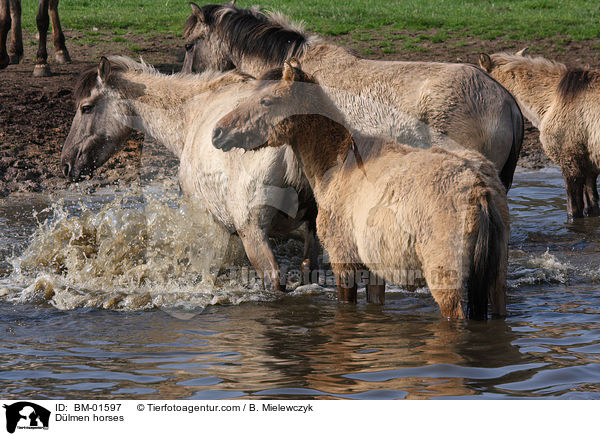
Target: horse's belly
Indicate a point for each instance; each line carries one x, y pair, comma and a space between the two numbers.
385, 242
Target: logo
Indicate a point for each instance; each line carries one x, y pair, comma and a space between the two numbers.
26, 415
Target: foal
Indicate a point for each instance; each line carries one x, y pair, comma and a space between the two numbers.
389, 210
10, 16
563, 103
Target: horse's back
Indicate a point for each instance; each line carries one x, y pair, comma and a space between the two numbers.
430, 103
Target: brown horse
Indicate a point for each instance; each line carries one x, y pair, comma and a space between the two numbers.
10, 17
563, 103
417, 103
385, 209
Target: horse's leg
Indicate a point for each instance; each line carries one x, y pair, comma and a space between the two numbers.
574, 187
16, 43
41, 68
4, 27
590, 197
259, 252
61, 54
311, 253
375, 290
345, 281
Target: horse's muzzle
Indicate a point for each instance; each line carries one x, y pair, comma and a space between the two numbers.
222, 141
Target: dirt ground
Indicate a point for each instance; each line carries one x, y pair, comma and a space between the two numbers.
36, 113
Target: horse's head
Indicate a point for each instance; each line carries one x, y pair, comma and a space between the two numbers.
204, 48
490, 62
270, 114
100, 125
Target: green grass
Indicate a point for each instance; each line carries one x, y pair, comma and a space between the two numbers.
517, 19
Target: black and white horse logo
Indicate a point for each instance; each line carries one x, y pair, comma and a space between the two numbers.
26, 415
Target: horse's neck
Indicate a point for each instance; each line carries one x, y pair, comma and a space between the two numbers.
534, 88
320, 144
161, 110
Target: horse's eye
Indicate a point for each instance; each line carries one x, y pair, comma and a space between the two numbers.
86, 108
189, 47
266, 102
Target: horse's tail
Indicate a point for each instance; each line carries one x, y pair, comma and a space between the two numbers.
488, 255
518, 129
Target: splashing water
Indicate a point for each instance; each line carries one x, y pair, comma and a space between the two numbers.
135, 253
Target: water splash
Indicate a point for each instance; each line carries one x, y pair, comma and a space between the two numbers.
137, 252
546, 268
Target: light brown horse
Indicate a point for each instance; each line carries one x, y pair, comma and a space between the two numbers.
417, 103
384, 208
563, 103
10, 17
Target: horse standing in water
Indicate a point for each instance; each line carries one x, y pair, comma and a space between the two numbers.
10, 17
256, 195
417, 103
384, 208
563, 103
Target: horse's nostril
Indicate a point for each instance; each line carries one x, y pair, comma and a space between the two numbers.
217, 134
66, 168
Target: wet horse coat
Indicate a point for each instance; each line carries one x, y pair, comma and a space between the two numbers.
384, 208
255, 195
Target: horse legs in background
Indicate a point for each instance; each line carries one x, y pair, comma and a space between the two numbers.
16, 44
4, 26
590, 196
311, 253
41, 68
61, 54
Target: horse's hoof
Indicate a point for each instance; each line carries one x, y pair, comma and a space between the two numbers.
15, 59
62, 57
41, 70
592, 211
4, 61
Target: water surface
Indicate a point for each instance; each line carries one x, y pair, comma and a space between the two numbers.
105, 296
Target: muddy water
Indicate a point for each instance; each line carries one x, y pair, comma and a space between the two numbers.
116, 295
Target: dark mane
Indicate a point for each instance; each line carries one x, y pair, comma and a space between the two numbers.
88, 79
574, 81
85, 83
249, 32
209, 12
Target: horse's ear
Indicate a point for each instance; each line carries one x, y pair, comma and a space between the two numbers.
294, 63
522, 52
104, 69
232, 2
288, 74
197, 11
485, 62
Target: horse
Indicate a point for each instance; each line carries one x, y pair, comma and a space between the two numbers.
563, 103
255, 196
384, 208
419, 103
10, 16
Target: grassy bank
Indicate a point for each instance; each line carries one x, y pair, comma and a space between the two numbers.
434, 20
